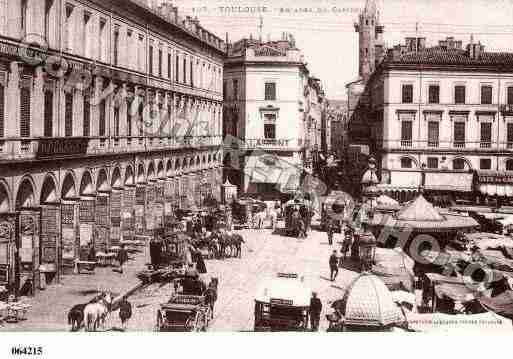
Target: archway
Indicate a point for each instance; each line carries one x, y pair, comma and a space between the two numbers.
198, 161
102, 183
191, 162
5, 201
68, 187
177, 164
169, 167
86, 184
115, 181
160, 170
25, 196
204, 159
209, 158
151, 171
129, 176
48, 190
141, 178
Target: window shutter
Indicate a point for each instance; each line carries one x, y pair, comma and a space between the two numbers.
406, 130
25, 96
459, 131
68, 114
128, 119
101, 127
87, 117
2, 103
48, 113
116, 121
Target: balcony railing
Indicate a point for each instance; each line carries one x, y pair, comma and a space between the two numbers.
433, 144
485, 145
406, 143
459, 144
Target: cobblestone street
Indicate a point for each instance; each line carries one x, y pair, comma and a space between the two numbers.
264, 255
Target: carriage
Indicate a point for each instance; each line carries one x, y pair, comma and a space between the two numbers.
303, 208
244, 209
335, 207
189, 313
282, 304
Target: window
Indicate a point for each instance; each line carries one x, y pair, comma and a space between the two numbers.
235, 89
140, 110
459, 134
406, 133
48, 113
48, 8
25, 111
407, 93
191, 73
140, 54
270, 91
101, 42
224, 90
160, 62
406, 162
116, 46
432, 162
510, 95
150, 59
458, 164
177, 68
169, 65
433, 133
486, 95
87, 117
509, 134
485, 163
434, 94
2, 107
85, 32
486, 134
116, 121
23, 17
184, 78
269, 130
459, 94
128, 119
68, 114
509, 165
101, 125
68, 27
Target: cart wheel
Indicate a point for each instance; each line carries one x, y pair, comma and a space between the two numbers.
158, 325
190, 323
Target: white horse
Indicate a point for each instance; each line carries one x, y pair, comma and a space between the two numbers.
96, 313
258, 219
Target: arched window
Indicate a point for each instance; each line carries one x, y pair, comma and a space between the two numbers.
509, 165
458, 164
406, 162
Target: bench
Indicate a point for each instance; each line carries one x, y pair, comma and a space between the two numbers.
84, 265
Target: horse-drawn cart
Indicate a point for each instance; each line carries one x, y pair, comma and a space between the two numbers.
189, 313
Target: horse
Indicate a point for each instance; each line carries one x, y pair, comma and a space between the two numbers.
272, 215
237, 240
211, 295
76, 314
258, 219
96, 313
125, 312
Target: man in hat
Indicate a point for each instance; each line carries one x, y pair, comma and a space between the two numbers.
315, 312
333, 262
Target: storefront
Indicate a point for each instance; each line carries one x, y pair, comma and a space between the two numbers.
140, 202
102, 223
127, 213
70, 236
494, 186
115, 216
87, 218
8, 249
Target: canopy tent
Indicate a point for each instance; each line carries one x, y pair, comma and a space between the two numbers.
367, 302
420, 216
285, 289
501, 304
438, 322
395, 268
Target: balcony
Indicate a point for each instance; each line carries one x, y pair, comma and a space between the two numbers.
433, 144
406, 143
485, 144
458, 144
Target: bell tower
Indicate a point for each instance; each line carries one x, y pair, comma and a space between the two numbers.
370, 39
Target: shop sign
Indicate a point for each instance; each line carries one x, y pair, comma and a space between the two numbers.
503, 178
51, 147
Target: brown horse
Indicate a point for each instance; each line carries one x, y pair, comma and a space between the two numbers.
211, 295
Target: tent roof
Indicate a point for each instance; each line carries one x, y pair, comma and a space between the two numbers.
419, 210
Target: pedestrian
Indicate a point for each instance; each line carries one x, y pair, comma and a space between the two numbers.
315, 312
302, 228
125, 312
330, 230
122, 257
333, 262
200, 263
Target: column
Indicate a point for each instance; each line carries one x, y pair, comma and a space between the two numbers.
123, 106
70, 236
12, 104
87, 216
8, 247
28, 248
127, 213
102, 223
50, 241
116, 197
37, 102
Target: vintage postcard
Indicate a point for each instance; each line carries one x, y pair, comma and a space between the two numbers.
255, 166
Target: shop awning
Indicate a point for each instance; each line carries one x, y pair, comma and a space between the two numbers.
496, 189
495, 183
449, 181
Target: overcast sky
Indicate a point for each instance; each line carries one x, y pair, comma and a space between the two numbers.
327, 36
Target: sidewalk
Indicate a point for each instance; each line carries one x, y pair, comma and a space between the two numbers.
50, 307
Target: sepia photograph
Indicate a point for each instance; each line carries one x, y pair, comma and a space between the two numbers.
249, 166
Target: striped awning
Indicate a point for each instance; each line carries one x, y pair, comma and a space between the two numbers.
496, 189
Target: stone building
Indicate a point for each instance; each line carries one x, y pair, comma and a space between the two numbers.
442, 118
270, 115
110, 121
